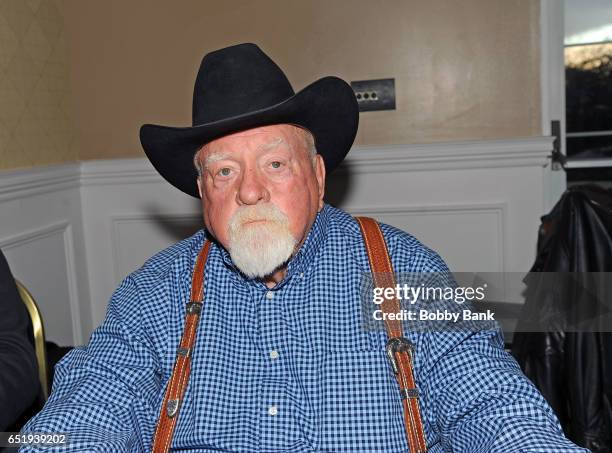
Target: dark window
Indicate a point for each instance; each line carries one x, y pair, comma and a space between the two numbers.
588, 79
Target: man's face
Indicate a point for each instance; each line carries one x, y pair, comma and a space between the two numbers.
266, 172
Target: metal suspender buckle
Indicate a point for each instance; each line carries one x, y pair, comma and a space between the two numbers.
398, 344
183, 351
194, 308
172, 408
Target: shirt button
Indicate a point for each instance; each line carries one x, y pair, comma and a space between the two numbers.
274, 354
272, 410
269, 295
301, 274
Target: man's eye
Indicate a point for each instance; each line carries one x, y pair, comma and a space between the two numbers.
225, 171
276, 164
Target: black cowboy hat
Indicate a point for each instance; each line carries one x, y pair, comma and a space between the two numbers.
240, 88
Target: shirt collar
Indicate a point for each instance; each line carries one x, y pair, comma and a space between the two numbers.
315, 238
302, 259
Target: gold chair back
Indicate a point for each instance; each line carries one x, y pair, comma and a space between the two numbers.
39, 336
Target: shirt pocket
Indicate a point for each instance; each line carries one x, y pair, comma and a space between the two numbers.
360, 405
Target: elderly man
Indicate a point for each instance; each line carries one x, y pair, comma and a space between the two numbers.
275, 358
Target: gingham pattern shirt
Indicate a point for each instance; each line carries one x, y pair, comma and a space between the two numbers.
289, 369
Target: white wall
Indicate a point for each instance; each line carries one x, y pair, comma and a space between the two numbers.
72, 233
42, 238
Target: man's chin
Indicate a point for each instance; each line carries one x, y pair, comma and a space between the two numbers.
259, 252
264, 274
257, 266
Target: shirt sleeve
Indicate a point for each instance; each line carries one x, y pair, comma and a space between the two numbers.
105, 395
19, 384
479, 398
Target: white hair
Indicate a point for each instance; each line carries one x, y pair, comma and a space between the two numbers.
309, 142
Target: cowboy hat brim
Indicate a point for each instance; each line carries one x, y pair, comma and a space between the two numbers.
327, 108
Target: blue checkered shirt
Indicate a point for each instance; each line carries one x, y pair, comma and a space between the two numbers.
289, 369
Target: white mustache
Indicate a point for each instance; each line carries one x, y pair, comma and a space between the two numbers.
260, 212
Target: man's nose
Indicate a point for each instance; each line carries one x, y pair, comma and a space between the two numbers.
252, 189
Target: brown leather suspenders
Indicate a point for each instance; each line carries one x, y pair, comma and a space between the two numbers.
182, 365
399, 349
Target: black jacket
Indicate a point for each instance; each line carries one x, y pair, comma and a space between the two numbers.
563, 340
19, 385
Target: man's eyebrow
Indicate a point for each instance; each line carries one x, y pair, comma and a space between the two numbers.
217, 156
214, 157
271, 145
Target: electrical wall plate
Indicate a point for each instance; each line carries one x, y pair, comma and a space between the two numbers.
374, 94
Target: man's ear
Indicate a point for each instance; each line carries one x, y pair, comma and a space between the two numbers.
320, 175
200, 186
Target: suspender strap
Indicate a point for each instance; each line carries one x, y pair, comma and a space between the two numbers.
182, 366
399, 349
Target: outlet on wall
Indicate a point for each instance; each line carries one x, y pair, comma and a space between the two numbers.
375, 94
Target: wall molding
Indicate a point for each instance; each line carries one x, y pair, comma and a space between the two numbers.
499, 209
430, 208
20, 183
519, 152
118, 171
515, 152
64, 230
24, 237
